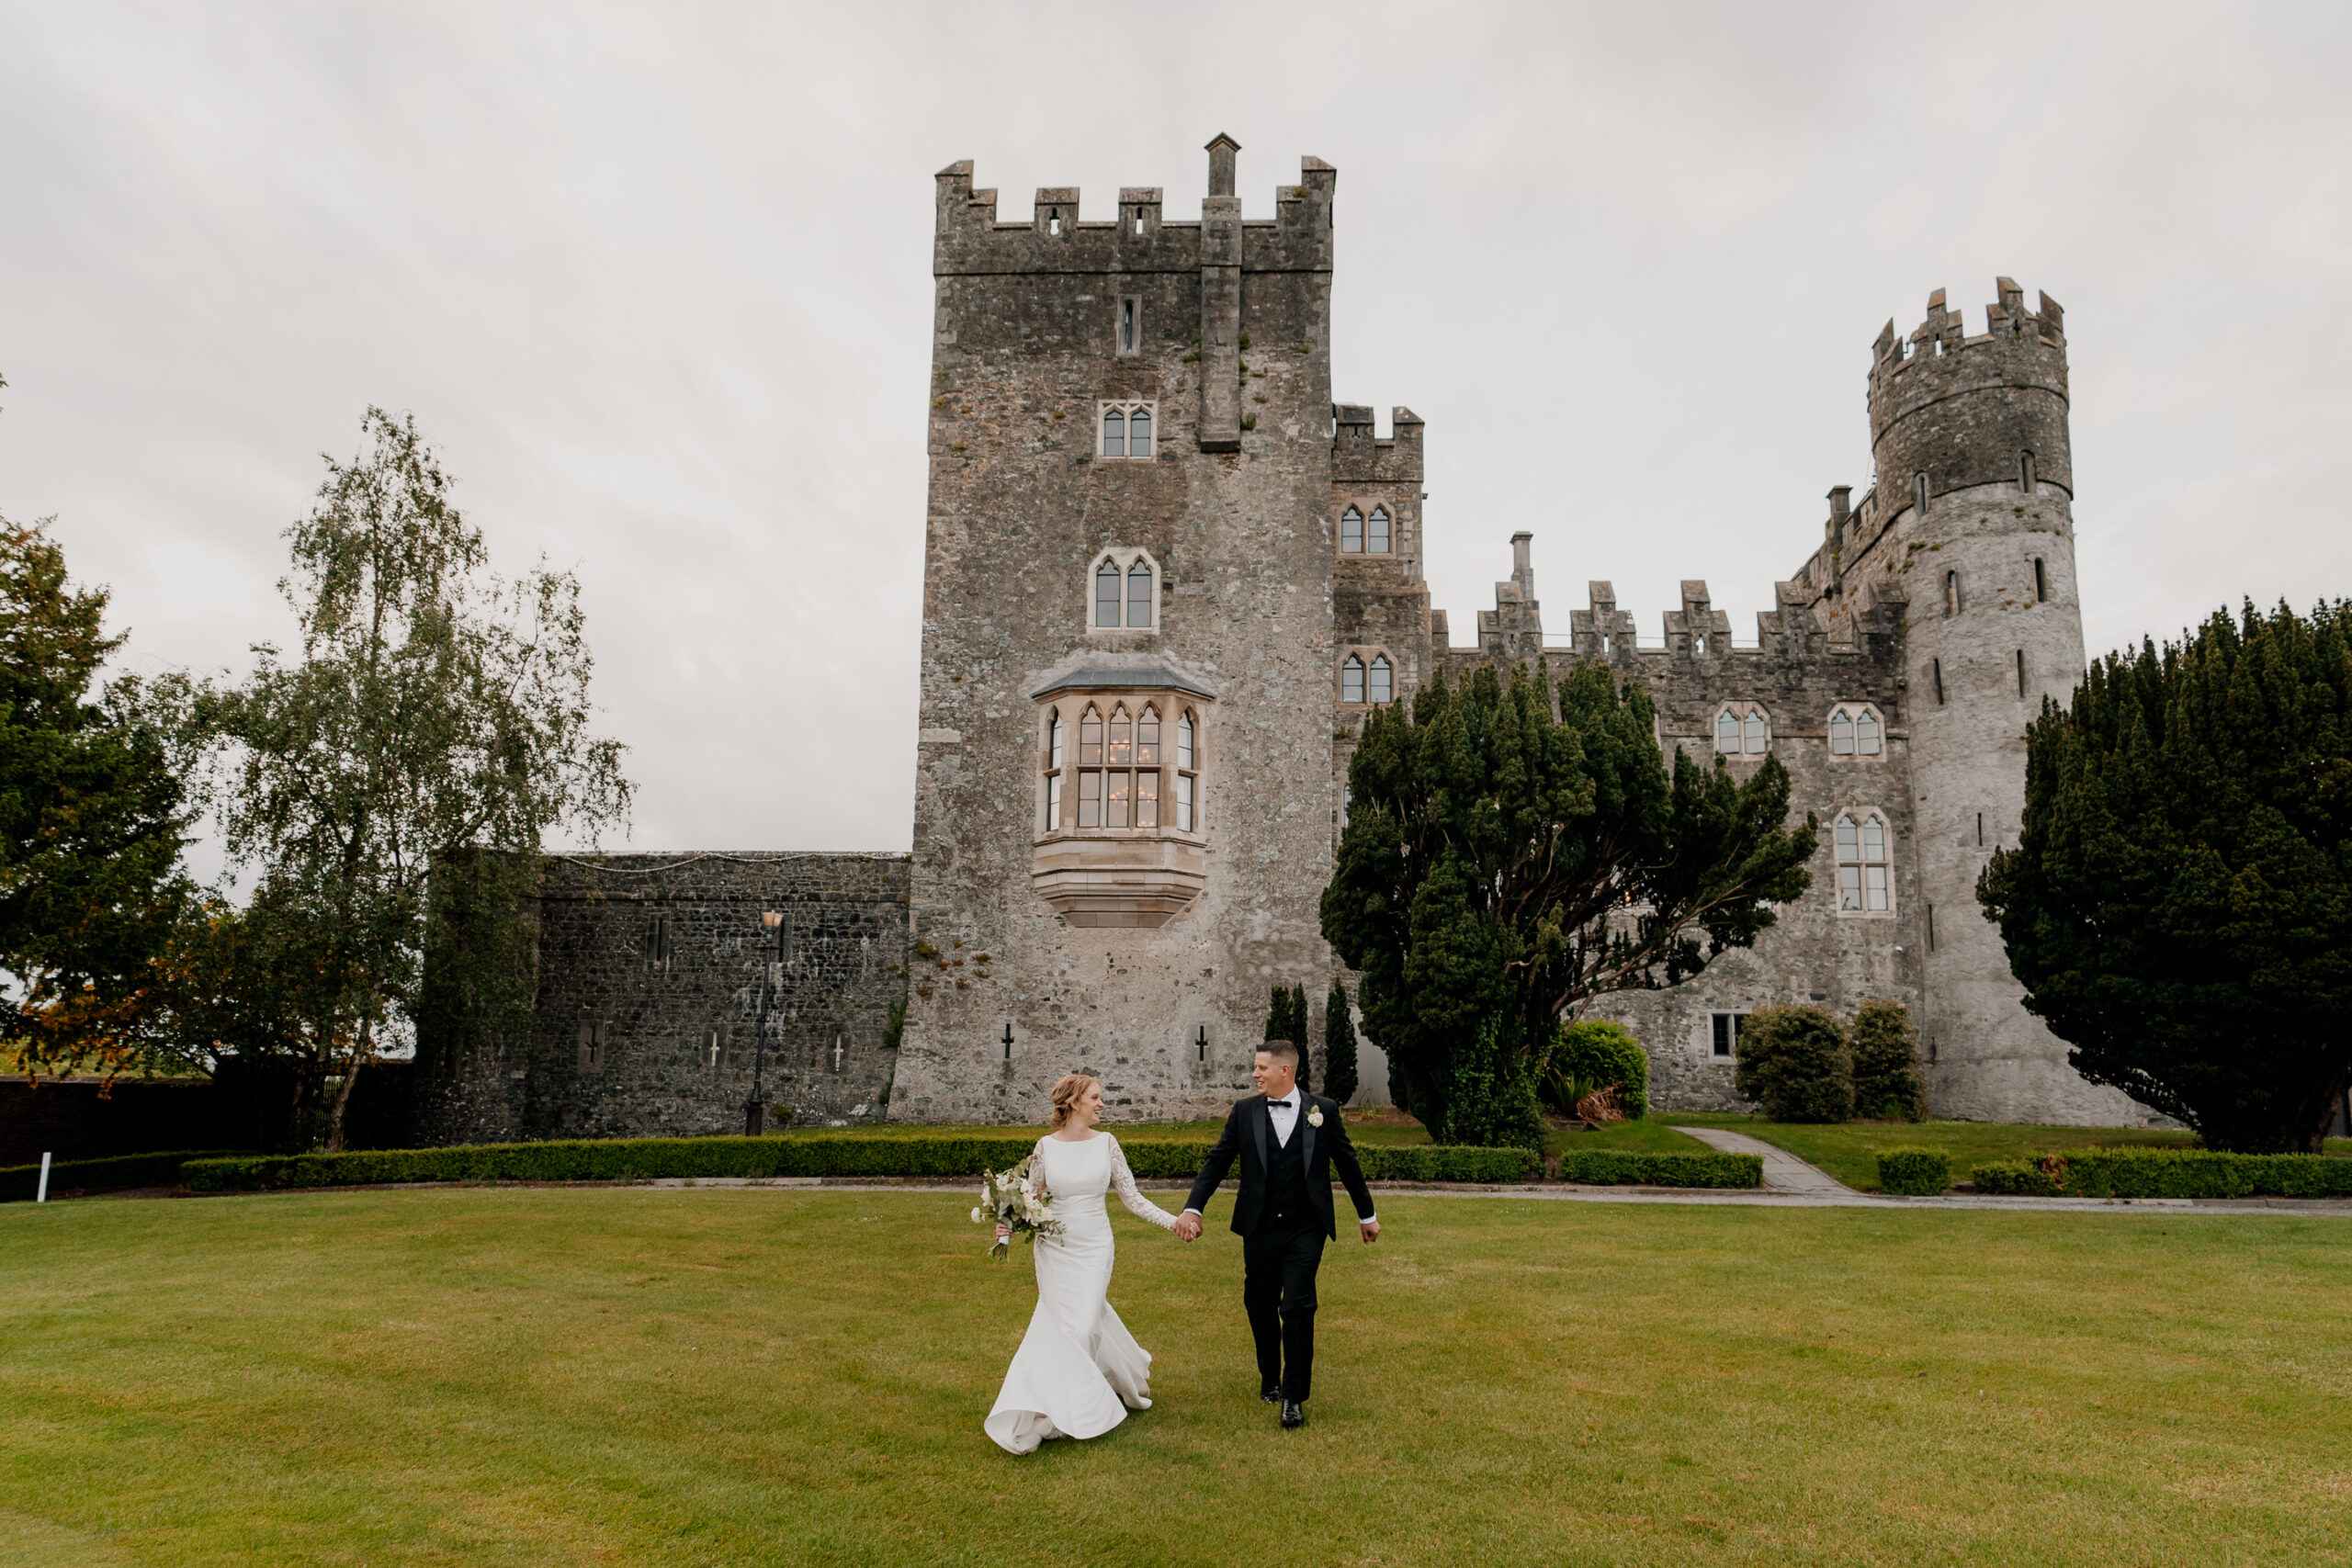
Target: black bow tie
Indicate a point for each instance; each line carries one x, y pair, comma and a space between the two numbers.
1280, 1105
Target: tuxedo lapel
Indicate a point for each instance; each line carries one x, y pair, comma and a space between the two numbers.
1262, 1121
1305, 1130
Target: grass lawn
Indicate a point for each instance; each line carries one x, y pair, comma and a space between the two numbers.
636, 1375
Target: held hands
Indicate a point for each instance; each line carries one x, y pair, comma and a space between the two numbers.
1188, 1227
1371, 1229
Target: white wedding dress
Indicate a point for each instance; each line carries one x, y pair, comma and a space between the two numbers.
1079, 1371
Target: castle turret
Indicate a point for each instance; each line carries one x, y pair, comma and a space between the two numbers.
1975, 488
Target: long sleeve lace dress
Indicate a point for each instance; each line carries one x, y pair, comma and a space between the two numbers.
1079, 1371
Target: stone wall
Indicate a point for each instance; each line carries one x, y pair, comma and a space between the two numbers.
647, 1021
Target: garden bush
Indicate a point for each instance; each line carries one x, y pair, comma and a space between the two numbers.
950, 1155
2169, 1173
1797, 1063
1887, 1080
1596, 1055
1623, 1167
2017, 1178
1916, 1173
21, 1183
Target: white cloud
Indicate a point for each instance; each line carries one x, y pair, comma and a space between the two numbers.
656, 282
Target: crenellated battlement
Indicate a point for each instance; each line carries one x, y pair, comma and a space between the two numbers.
1358, 456
1138, 237
2017, 348
1950, 412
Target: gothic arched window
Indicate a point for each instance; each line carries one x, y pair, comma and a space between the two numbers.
1352, 532
1126, 591
1090, 768
1123, 765
1863, 883
1126, 431
1376, 539
1384, 679
1187, 770
1055, 736
1741, 729
1352, 679
1855, 730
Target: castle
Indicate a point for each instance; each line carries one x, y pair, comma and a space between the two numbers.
1166, 578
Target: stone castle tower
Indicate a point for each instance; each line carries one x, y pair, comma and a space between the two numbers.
1149, 519
1166, 578
1974, 515
1123, 817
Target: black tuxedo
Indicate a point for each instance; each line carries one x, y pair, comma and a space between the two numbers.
1283, 1215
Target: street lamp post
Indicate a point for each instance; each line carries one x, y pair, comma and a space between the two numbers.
755, 1109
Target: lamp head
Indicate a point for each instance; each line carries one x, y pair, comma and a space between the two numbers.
772, 919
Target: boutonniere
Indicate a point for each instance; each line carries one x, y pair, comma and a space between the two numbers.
1314, 1116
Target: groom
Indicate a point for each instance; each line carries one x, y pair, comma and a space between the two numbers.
1287, 1142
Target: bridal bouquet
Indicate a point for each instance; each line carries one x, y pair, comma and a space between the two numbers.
1016, 1198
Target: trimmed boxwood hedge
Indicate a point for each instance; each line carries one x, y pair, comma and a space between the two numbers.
1621, 1167
119, 1173
952, 1155
1913, 1172
2168, 1173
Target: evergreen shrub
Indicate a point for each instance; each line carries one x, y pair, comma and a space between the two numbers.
1624, 1167
949, 1155
1598, 1053
1339, 1079
2169, 1173
2016, 1178
1915, 1173
1887, 1079
1796, 1062
119, 1173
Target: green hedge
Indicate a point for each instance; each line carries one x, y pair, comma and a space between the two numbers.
622, 1159
2168, 1173
2014, 1179
1446, 1162
21, 1183
1619, 1167
1914, 1173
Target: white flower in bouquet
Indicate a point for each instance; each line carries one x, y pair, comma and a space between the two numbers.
1017, 1201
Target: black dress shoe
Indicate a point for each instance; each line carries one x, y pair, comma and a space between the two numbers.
1271, 1393
1294, 1414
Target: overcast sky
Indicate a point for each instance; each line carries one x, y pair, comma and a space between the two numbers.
655, 281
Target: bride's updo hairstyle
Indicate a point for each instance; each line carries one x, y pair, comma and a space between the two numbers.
1068, 1090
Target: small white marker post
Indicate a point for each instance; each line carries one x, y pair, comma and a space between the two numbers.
40, 1193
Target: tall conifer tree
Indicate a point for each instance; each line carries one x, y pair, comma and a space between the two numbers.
2178, 905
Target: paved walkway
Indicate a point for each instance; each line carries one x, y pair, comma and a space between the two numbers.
1783, 1172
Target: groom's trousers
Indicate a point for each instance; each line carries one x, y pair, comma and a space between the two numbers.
1278, 1290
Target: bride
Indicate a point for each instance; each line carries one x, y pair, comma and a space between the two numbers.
1079, 1371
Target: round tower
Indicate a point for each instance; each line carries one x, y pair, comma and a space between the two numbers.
1969, 437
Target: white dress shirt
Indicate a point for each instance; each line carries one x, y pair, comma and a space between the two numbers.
1285, 1112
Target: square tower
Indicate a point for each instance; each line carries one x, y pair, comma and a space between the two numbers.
1123, 794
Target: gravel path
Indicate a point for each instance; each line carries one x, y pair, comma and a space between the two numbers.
1783, 1172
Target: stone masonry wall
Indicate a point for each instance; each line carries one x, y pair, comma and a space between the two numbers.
647, 1018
